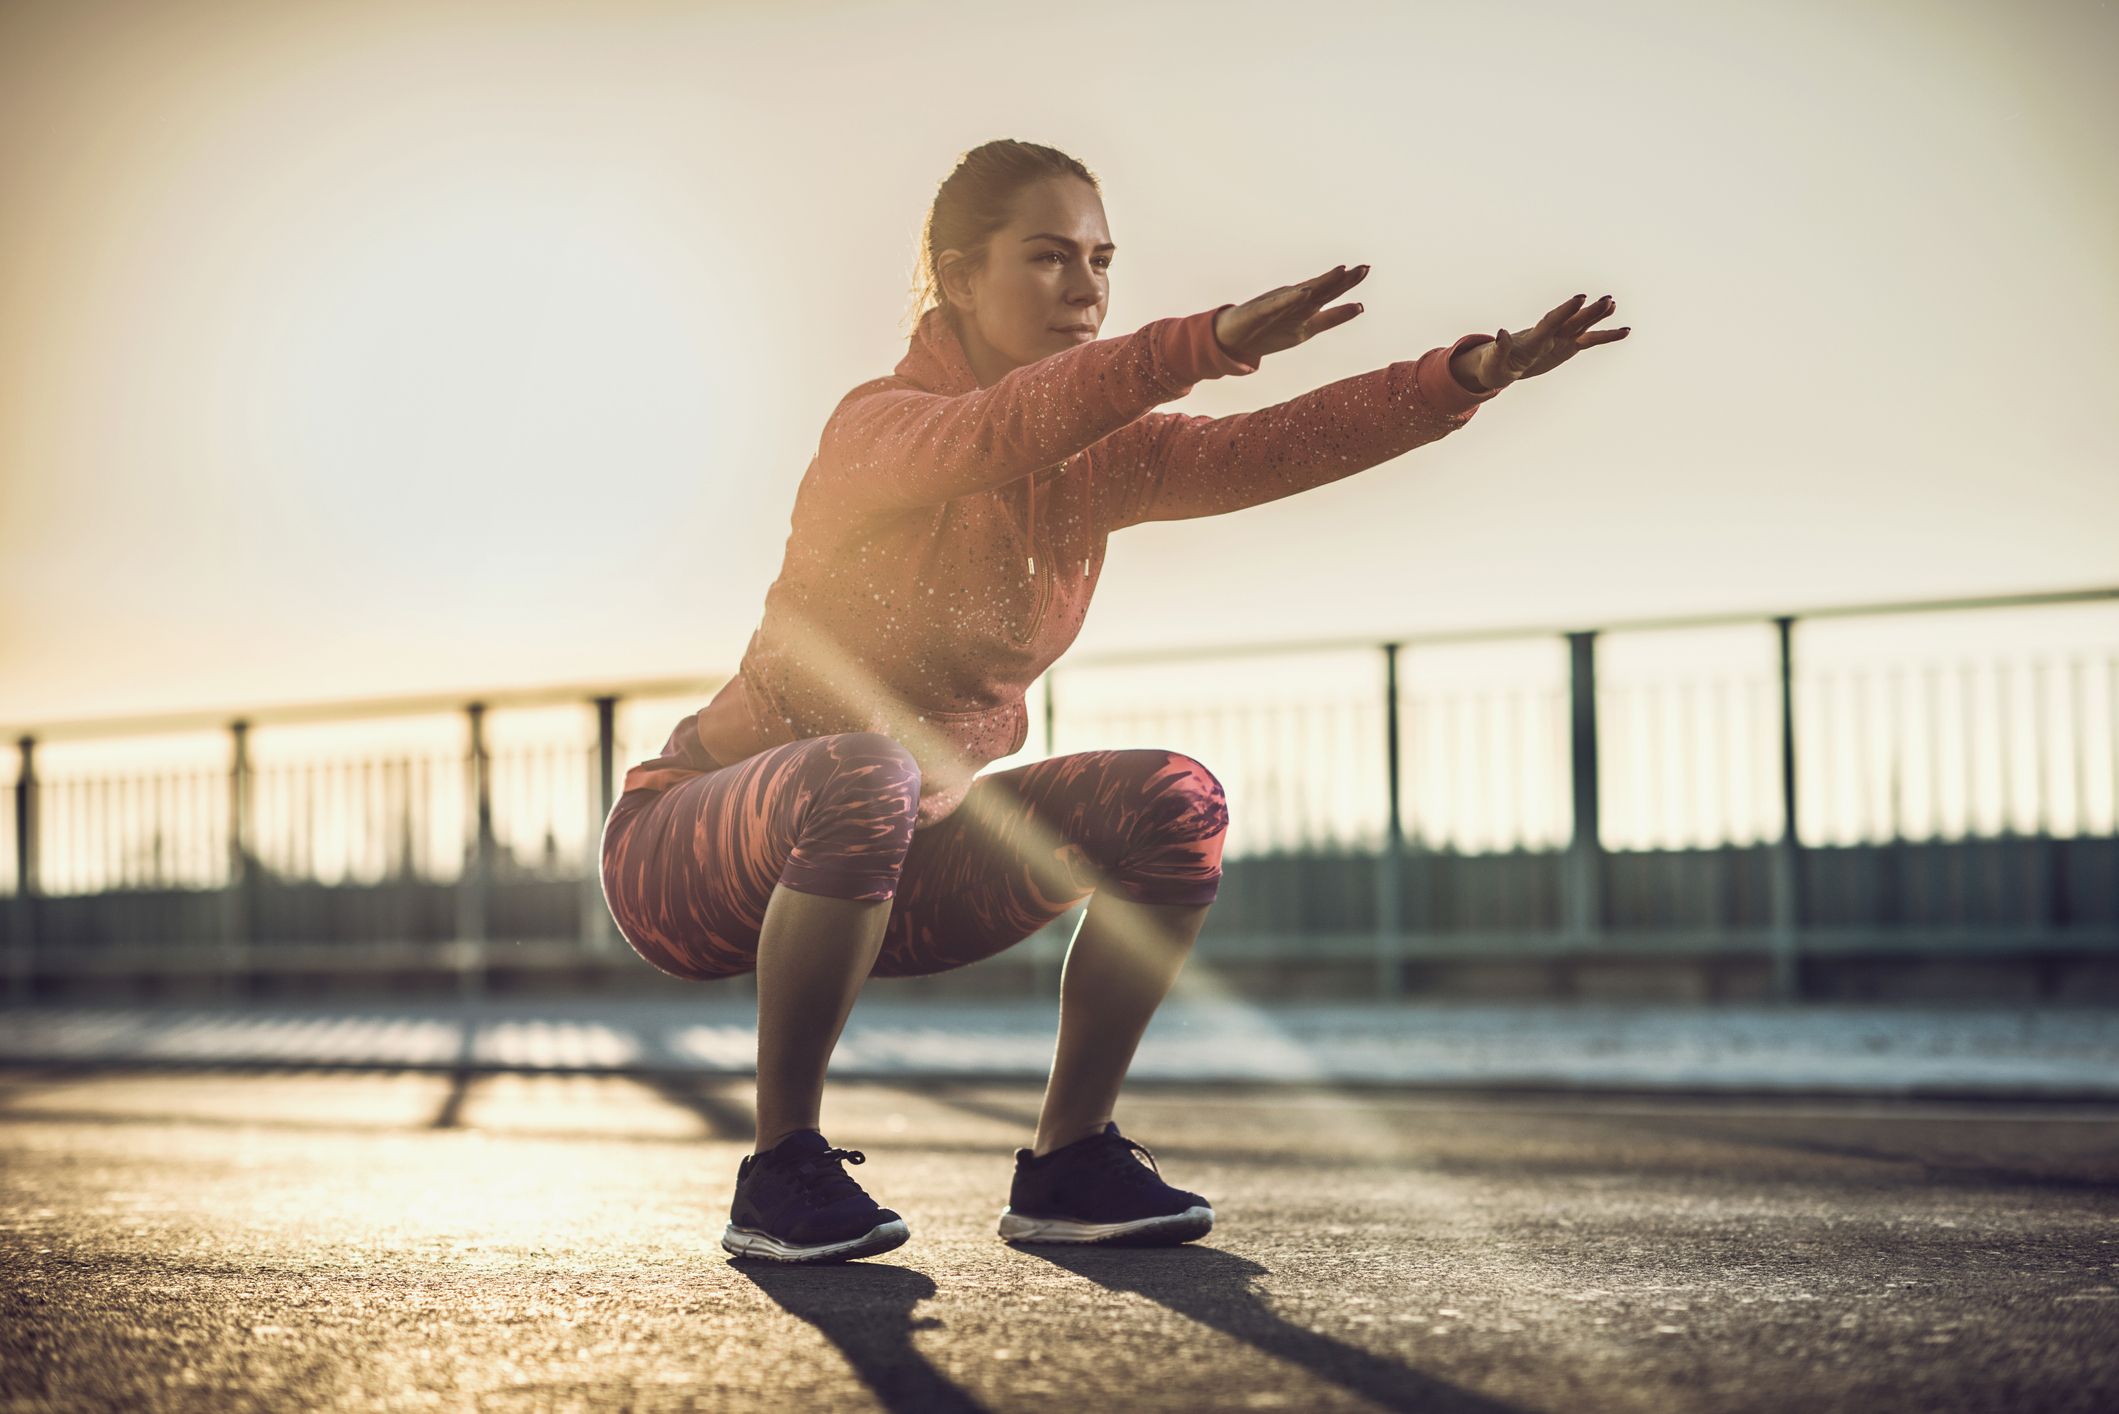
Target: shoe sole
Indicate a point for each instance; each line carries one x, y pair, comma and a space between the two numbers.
1140, 1232
748, 1242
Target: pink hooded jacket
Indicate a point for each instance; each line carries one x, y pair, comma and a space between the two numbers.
947, 538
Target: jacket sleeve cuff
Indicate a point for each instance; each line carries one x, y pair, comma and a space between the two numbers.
1192, 353
1440, 388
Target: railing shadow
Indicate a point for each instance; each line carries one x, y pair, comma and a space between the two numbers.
865, 1309
1215, 1288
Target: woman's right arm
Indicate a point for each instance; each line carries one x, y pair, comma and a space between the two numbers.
888, 447
891, 448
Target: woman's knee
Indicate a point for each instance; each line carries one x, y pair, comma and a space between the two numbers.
1171, 831
855, 826
1178, 792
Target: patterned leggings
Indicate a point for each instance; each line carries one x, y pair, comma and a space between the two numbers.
687, 871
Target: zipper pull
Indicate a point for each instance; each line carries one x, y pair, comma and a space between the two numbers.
1031, 562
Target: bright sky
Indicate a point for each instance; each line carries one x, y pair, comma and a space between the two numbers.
350, 349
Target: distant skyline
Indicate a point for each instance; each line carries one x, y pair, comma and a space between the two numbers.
357, 349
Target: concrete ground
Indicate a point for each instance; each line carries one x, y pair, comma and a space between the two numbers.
407, 1240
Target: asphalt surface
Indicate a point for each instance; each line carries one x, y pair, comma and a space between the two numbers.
409, 1240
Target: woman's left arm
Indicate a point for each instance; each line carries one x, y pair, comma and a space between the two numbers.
1174, 466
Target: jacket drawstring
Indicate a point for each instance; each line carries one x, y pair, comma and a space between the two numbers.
1088, 503
1030, 559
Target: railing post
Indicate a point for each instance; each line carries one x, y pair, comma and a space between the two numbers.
1787, 853
22, 934
1390, 868
239, 914
598, 931
1583, 882
474, 883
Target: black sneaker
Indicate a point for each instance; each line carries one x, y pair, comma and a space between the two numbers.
794, 1203
1099, 1190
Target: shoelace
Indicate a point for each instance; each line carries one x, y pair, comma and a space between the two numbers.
1113, 1155
821, 1176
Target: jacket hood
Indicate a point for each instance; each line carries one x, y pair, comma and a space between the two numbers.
935, 361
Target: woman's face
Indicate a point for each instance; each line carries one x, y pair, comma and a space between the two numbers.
1046, 270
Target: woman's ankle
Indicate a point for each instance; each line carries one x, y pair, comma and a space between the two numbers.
771, 1138
1059, 1137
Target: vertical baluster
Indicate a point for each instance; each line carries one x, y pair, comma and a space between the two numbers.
158, 803
1293, 800
1478, 824
1693, 762
62, 868
122, 814
1647, 702
419, 807
1530, 766
2005, 734
2040, 733
1963, 748
2111, 734
2078, 737
1583, 888
1660, 776
1862, 682
1451, 825
1725, 745
1559, 746
1897, 747
1788, 909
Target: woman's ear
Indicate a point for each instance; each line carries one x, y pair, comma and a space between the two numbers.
954, 271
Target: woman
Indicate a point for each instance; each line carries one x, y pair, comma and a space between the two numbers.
817, 821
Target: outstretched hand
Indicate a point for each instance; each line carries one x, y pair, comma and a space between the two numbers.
1283, 318
1553, 340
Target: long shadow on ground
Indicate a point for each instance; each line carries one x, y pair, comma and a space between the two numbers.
865, 1309
1215, 1289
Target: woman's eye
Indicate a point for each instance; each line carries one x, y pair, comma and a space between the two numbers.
1102, 262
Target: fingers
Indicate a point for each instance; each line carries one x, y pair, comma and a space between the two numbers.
1589, 314
1330, 319
1550, 324
1327, 287
1345, 280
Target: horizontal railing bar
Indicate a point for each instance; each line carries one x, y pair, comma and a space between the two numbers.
437, 703
1139, 656
426, 704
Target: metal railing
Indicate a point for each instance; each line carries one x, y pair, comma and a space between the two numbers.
1566, 743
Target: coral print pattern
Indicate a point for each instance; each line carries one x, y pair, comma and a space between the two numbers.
689, 867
